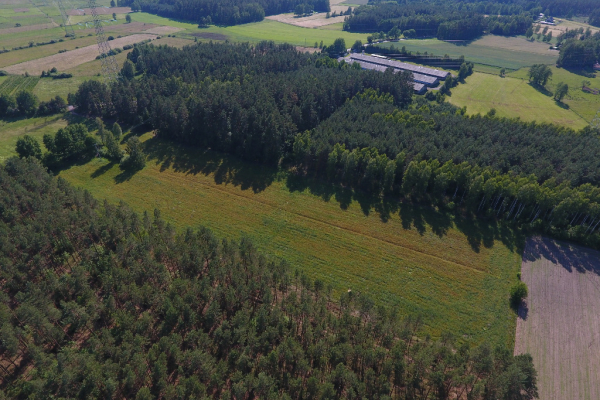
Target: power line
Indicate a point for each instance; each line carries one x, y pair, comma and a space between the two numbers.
110, 69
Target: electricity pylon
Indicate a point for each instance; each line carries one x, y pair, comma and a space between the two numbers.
110, 69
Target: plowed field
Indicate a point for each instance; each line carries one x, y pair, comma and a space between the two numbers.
560, 323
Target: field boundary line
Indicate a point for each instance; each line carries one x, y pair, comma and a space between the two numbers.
339, 227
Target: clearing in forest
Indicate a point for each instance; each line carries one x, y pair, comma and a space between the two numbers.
512, 98
559, 325
457, 274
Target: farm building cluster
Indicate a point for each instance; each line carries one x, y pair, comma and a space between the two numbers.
423, 77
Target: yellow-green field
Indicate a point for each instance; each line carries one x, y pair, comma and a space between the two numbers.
583, 104
512, 97
256, 32
456, 274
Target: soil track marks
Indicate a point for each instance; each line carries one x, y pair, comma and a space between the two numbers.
559, 325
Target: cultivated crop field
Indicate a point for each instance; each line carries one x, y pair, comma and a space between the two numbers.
492, 50
560, 324
14, 84
456, 274
512, 98
72, 58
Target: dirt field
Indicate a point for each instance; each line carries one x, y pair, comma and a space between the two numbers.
70, 59
101, 11
21, 10
27, 28
314, 21
560, 324
163, 30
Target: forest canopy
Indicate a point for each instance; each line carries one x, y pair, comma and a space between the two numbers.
99, 302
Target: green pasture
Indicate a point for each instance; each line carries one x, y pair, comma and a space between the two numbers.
497, 51
584, 104
259, 31
512, 97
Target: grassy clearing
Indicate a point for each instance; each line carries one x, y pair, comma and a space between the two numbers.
511, 98
47, 88
256, 32
36, 127
559, 326
456, 274
491, 50
584, 104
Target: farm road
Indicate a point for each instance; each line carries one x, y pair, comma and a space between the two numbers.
560, 325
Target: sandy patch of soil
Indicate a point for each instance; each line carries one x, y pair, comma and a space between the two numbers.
101, 11
559, 324
21, 9
314, 21
307, 49
162, 30
28, 28
73, 58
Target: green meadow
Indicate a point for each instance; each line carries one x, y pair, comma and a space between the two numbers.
457, 274
498, 51
512, 97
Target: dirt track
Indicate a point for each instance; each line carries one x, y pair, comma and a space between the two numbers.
73, 58
560, 323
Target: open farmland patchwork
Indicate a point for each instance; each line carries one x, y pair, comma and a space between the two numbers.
456, 274
497, 51
560, 325
72, 58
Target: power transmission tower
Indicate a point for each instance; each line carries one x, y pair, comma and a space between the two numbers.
110, 69
596, 121
69, 32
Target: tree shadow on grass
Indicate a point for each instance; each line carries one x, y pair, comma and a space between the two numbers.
102, 170
125, 175
562, 105
541, 89
225, 169
569, 256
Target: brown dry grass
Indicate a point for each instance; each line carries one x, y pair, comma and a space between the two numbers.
560, 324
71, 58
163, 30
565, 25
27, 28
101, 11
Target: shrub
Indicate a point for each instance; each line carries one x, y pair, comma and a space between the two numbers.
28, 146
518, 292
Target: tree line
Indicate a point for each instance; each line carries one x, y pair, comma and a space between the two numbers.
579, 51
388, 152
444, 20
27, 104
228, 12
99, 302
